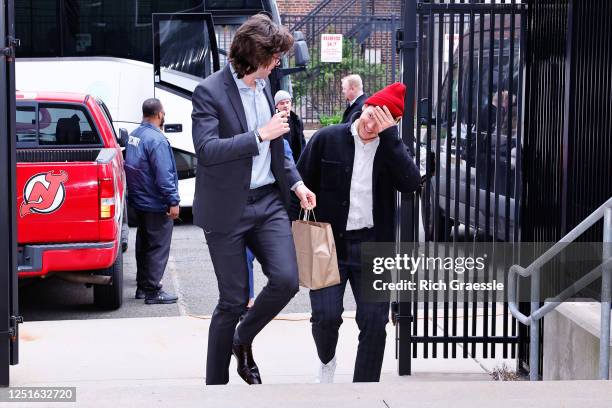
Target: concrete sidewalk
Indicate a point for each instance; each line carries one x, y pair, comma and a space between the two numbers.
73, 351
160, 361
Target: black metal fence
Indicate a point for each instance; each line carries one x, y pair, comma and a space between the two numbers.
369, 49
568, 117
468, 90
568, 138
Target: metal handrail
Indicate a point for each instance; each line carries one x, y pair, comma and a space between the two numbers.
538, 312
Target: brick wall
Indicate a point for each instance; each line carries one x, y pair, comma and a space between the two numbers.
296, 6
388, 7
305, 6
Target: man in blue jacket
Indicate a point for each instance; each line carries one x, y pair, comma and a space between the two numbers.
152, 183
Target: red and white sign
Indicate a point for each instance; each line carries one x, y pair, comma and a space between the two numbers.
331, 47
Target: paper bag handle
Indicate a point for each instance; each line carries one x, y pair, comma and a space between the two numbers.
307, 214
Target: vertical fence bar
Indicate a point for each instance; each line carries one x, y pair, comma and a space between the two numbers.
422, 86
488, 162
447, 181
468, 178
606, 293
430, 79
568, 117
393, 48
518, 174
437, 219
409, 61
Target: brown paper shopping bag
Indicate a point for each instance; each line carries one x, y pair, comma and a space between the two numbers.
316, 253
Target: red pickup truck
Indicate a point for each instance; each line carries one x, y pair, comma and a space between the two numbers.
70, 193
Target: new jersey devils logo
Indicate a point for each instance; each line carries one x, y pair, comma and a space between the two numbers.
43, 193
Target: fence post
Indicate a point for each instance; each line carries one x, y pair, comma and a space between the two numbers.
4, 206
8, 239
606, 294
534, 328
409, 61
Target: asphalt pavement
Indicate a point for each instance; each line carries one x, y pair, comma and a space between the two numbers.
189, 273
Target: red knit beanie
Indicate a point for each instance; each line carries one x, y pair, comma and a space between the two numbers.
392, 97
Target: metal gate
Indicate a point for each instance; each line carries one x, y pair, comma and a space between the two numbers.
8, 238
463, 65
369, 49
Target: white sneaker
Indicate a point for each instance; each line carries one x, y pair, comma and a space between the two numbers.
326, 372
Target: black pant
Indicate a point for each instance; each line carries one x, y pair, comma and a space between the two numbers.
371, 317
264, 228
153, 238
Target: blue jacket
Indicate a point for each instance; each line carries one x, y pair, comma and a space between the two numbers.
150, 170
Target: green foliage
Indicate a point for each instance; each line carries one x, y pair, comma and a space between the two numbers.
320, 87
327, 120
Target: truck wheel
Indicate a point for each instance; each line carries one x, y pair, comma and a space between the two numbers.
125, 230
110, 297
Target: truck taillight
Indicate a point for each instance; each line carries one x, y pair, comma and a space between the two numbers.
107, 198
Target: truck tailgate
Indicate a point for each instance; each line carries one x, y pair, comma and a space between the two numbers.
57, 202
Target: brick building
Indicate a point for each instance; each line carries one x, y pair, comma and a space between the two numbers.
368, 28
378, 7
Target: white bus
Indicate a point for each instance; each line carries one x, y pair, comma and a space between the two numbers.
127, 51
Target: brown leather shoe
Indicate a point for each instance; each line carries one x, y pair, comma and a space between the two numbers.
247, 369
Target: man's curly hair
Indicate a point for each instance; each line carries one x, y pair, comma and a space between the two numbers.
256, 42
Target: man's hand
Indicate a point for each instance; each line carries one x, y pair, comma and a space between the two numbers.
308, 199
276, 127
173, 212
383, 118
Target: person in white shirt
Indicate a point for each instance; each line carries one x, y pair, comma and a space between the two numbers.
355, 170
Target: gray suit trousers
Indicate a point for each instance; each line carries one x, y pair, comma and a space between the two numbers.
264, 227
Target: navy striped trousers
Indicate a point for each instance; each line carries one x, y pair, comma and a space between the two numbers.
371, 317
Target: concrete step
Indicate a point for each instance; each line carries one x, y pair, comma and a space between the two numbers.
152, 362
393, 394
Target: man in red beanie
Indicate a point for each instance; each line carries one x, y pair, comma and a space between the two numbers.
355, 170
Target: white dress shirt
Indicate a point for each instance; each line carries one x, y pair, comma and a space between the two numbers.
257, 112
361, 195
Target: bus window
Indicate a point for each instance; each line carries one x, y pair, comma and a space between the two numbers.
185, 50
69, 28
186, 163
185, 47
225, 34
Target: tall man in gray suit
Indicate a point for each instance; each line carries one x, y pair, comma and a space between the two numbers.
243, 183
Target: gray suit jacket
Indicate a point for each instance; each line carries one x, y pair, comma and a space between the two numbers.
225, 149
